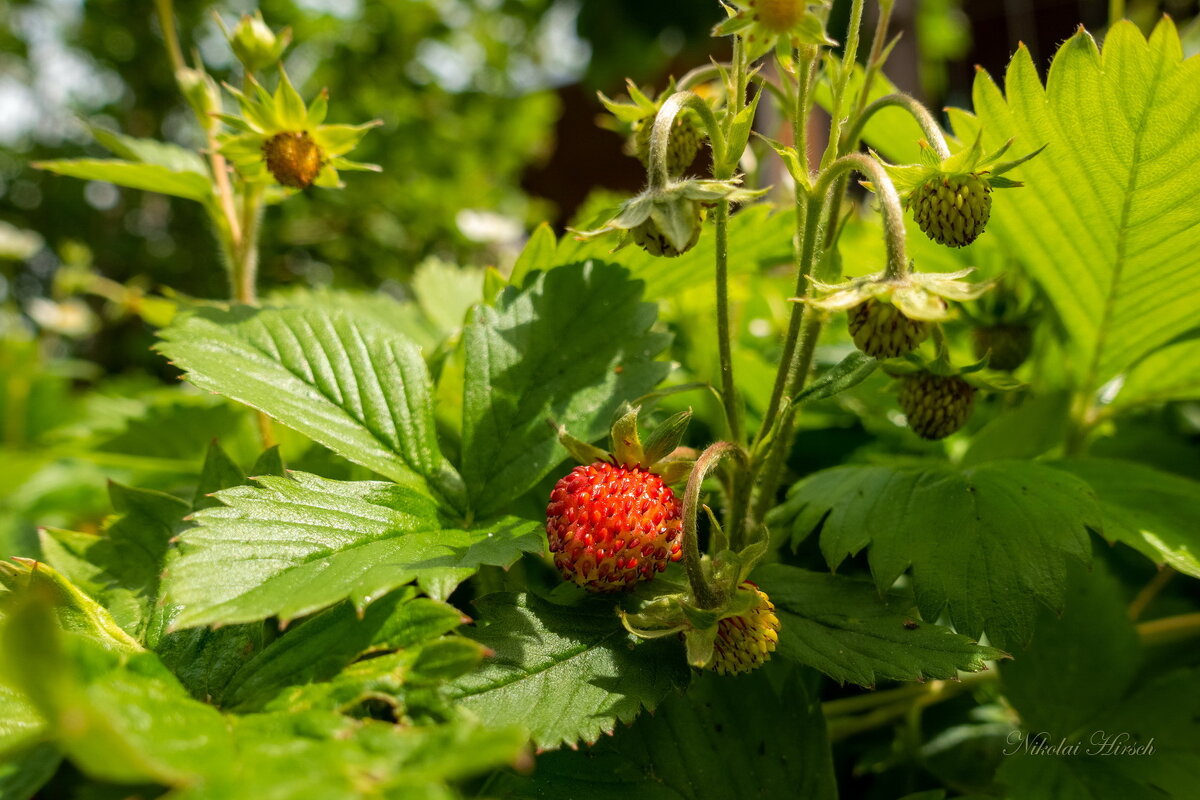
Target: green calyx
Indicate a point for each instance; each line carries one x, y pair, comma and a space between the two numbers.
677, 612
667, 220
1003, 323
781, 25
951, 197
636, 118
659, 453
920, 296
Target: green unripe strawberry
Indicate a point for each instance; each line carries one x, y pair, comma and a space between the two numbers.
882, 331
648, 237
936, 405
952, 209
1009, 345
682, 146
745, 642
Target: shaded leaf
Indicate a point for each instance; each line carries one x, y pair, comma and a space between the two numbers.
727, 737
567, 674
987, 543
121, 567
1154, 512
842, 627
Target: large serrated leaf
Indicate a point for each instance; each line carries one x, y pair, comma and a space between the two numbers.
361, 391
571, 346
842, 627
1107, 221
745, 737
121, 717
566, 673
1154, 512
121, 567
987, 543
1119, 733
295, 545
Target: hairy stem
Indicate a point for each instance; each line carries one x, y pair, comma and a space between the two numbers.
798, 371
849, 58
889, 204
706, 596
664, 122
929, 126
806, 237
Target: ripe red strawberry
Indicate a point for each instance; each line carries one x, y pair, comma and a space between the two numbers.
611, 526
745, 642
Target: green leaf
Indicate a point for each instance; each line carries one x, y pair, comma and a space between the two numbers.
1027, 431
1079, 663
363, 394
1169, 373
24, 773
567, 674
73, 610
133, 175
219, 472
120, 717
571, 346
445, 292
20, 723
121, 567
846, 374
987, 543
728, 737
536, 256
1154, 512
323, 645
292, 546
1104, 223
150, 151
1080, 684
759, 237
843, 627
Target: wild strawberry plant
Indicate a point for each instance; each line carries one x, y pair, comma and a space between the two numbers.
877, 497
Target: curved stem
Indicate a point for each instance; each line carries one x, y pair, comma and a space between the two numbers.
929, 126
701, 74
706, 596
660, 134
889, 204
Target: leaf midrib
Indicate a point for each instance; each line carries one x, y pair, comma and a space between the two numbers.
1089, 384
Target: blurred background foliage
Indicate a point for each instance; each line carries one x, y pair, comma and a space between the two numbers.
489, 126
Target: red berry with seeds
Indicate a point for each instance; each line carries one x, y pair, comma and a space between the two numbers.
611, 526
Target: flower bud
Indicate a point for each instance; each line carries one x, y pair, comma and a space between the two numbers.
255, 44
201, 92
